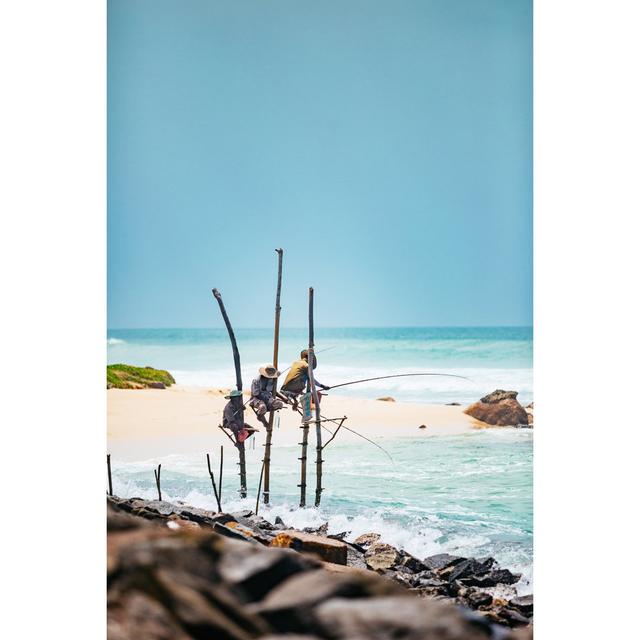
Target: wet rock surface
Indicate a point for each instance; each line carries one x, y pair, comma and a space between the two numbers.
367, 539
329, 549
499, 408
179, 572
380, 556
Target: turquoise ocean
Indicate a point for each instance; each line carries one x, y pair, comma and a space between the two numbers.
468, 494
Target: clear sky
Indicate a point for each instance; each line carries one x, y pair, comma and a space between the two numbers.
385, 145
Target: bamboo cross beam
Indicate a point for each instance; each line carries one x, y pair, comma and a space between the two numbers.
335, 433
226, 433
213, 482
339, 422
157, 475
269, 427
109, 473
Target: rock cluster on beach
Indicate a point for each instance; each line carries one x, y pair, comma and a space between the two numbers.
500, 408
179, 572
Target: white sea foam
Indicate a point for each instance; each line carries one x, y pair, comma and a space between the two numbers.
411, 389
476, 508
114, 341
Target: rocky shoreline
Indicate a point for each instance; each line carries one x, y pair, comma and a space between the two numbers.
183, 572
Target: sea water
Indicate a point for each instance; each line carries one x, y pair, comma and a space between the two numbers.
467, 494
489, 357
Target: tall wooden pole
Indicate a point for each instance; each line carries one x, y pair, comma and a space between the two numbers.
305, 421
232, 337
314, 396
266, 463
236, 362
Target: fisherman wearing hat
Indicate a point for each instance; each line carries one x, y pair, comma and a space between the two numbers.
297, 378
263, 392
233, 417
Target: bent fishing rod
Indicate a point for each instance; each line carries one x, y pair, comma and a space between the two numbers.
397, 375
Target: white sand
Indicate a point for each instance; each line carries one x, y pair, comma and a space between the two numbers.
146, 423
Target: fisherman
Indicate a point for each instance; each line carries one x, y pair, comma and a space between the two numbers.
263, 392
297, 378
233, 417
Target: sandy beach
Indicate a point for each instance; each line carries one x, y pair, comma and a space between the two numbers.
155, 422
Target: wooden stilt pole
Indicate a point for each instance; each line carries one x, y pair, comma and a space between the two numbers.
213, 483
109, 473
303, 465
276, 341
242, 461
157, 475
314, 396
236, 362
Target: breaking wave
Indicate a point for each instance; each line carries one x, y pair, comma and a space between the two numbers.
469, 494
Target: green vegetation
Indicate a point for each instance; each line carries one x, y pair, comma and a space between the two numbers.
124, 376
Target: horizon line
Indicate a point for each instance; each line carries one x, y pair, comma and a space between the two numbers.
416, 326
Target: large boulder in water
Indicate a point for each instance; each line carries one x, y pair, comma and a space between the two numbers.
499, 408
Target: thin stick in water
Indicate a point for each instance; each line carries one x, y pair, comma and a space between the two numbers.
213, 482
157, 475
259, 488
109, 473
220, 476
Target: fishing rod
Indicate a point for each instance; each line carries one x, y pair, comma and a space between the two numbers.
397, 375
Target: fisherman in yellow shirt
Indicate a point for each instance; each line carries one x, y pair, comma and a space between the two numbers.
297, 378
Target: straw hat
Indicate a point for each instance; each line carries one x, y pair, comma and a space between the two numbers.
269, 371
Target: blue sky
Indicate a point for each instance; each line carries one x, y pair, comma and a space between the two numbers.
385, 145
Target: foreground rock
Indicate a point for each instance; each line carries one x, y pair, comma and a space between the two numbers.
499, 408
328, 549
180, 572
381, 556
